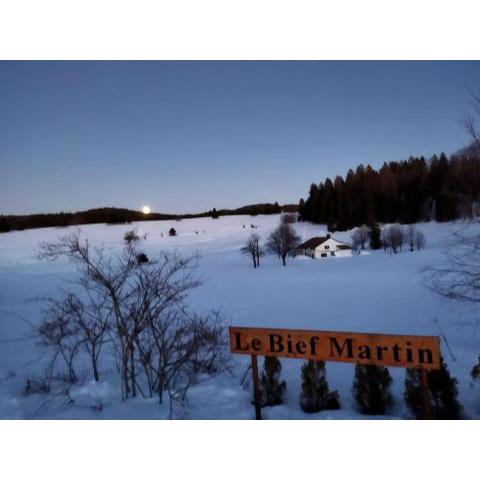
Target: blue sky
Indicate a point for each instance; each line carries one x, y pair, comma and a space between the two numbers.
187, 136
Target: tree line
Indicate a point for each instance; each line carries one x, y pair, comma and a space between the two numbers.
391, 238
408, 191
112, 215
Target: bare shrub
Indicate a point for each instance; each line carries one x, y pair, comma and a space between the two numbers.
61, 334
252, 248
159, 345
360, 237
289, 218
420, 241
414, 238
410, 237
393, 238
131, 236
458, 276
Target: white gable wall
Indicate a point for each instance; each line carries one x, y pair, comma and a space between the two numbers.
329, 246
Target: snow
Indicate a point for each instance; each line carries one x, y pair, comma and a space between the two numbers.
374, 292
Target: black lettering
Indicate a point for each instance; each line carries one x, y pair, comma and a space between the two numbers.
276, 343
301, 347
409, 353
380, 351
364, 352
238, 343
313, 345
256, 344
289, 344
347, 344
421, 355
396, 355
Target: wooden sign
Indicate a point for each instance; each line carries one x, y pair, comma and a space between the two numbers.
422, 352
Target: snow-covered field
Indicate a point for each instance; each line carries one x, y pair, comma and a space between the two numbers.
374, 292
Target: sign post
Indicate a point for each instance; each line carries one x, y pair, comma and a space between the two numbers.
256, 388
406, 351
427, 414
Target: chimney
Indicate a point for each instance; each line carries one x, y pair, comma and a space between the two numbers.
328, 235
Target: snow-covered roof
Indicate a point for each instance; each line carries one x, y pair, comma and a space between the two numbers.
317, 241
313, 242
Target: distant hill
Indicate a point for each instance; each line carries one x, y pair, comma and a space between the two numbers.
112, 215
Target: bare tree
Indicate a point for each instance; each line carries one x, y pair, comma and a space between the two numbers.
419, 240
458, 276
470, 121
394, 238
288, 218
411, 234
283, 241
414, 238
252, 248
143, 307
360, 237
384, 239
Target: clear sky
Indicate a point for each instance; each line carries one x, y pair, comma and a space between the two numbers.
188, 136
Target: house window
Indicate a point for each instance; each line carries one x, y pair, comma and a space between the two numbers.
327, 247
323, 254
332, 254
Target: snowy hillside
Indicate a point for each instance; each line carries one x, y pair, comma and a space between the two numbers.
373, 292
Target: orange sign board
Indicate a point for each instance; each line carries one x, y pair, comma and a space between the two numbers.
360, 348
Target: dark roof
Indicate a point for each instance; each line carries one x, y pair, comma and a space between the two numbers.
316, 241
312, 243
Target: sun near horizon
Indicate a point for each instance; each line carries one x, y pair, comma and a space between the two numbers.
146, 210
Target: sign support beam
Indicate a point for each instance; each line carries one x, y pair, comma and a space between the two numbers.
427, 414
256, 388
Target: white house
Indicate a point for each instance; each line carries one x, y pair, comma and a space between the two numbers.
323, 247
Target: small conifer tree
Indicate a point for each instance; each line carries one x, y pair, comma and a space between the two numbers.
371, 389
4, 225
475, 373
271, 387
142, 258
443, 393
315, 395
375, 237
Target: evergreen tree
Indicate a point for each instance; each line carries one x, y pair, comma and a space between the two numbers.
301, 209
371, 389
4, 225
475, 373
405, 191
142, 258
271, 388
214, 213
443, 393
375, 237
315, 395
